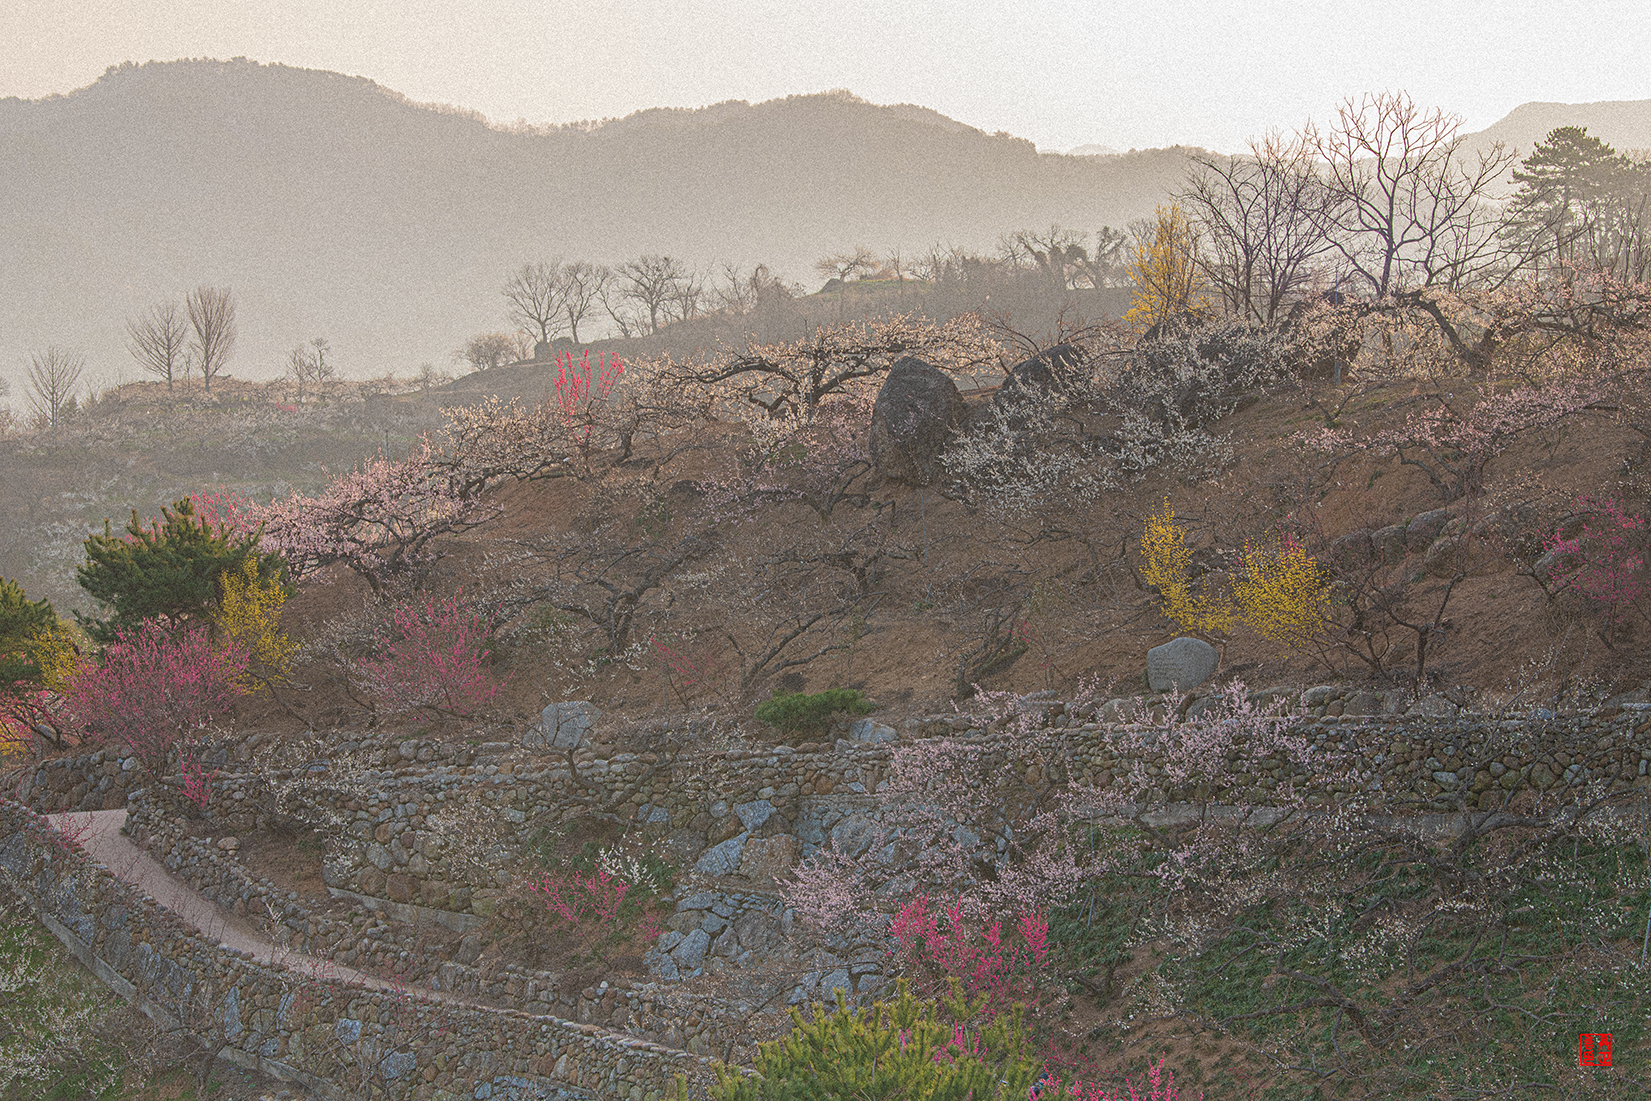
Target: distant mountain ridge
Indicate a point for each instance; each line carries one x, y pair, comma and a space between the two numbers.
1624, 124
336, 207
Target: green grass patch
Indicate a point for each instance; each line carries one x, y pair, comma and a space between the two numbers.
56, 1041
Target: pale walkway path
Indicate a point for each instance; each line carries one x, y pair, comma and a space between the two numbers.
102, 840
98, 833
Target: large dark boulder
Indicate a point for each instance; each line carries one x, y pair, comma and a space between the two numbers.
912, 422
1051, 369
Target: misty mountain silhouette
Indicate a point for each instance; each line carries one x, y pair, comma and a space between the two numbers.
336, 207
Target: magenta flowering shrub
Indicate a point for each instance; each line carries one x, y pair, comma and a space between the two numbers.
432, 655
1605, 560
938, 942
591, 910
197, 782
153, 686
1160, 1086
227, 510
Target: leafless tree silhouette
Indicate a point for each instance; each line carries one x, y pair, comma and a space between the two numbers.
53, 376
159, 340
212, 315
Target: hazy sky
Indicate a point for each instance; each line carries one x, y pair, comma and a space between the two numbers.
1060, 72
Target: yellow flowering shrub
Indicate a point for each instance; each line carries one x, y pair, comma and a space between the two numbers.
1167, 568
1282, 592
249, 612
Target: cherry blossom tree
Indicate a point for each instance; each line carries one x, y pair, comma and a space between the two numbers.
381, 519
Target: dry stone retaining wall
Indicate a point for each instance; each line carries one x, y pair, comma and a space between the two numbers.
326, 1035
743, 816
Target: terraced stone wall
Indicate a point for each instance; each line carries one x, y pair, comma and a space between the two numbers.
339, 1040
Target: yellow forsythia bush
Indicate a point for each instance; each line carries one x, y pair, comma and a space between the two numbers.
1168, 562
249, 612
1280, 591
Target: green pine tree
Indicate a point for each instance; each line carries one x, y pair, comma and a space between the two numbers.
1573, 192
169, 571
24, 626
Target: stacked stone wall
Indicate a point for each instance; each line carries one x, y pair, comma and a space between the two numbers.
338, 1039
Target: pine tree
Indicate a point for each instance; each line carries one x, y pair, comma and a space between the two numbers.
37, 656
899, 1050
168, 571
1565, 188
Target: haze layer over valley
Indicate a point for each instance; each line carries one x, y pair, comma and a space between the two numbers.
333, 205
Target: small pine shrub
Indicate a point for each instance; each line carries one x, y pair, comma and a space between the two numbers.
797, 713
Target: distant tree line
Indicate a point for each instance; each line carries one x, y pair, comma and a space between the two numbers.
1385, 205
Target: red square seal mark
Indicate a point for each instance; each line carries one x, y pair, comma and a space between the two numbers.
1595, 1049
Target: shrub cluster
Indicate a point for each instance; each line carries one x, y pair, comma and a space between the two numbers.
797, 713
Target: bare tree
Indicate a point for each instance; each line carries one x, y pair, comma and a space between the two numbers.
159, 340
739, 293
648, 285
898, 264
485, 351
1057, 252
1267, 219
307, 365
957, 267
1409, 212
1106, 265
212, 315
846, 266
536, 296
842, 267
583, 284
686, 297
53, 376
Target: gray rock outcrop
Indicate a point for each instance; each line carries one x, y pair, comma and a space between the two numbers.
562, 726
912, 421
1051, 369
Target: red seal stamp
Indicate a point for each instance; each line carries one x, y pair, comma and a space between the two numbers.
1594, 1049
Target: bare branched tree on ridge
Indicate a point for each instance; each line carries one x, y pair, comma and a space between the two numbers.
53, 376
159, 340
211, 313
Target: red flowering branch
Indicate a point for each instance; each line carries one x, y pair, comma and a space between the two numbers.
575, 388
434, 656
589, 907
1605, 560
945, 943
153, 686
197, 783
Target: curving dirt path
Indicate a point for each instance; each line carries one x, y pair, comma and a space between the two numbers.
98, 833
